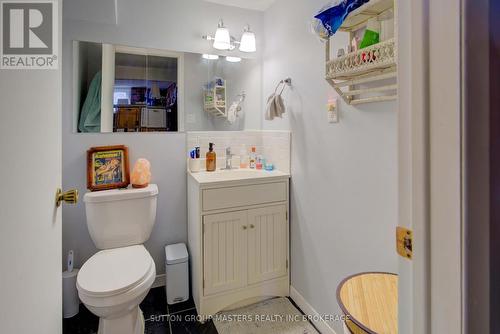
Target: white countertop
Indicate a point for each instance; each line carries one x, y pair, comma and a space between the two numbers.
221, 175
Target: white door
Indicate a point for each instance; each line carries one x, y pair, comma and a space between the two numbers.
267, 243
30, 224
224, 251
429, 139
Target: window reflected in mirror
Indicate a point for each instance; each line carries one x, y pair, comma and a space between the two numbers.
145, 93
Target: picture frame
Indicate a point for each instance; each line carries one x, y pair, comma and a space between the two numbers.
107, 167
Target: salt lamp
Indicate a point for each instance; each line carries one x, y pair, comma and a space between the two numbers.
141, 174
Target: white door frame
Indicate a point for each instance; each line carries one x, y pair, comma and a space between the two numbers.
430, 165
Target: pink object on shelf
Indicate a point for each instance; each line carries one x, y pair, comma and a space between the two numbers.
141, 174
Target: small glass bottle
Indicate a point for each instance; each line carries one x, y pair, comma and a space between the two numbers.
243, 157
253, 158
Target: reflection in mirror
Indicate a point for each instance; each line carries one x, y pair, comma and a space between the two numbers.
123, 89
144, 93
126, 89
226, 98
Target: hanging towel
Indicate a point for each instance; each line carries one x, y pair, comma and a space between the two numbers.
90, 116
275, 105
232, 113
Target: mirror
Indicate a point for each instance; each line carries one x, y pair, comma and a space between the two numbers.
127, 89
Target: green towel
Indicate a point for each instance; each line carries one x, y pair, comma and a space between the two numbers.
90, 115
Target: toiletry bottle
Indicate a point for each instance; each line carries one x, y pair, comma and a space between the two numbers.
211, 158
253, 157
243, 157
261, 162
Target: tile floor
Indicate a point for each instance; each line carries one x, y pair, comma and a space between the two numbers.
160, 318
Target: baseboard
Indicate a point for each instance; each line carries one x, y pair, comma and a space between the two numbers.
320, 325
159, 281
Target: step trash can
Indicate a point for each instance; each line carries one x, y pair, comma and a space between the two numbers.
177, 273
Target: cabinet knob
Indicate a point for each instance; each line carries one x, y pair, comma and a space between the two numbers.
244, 227
252, 226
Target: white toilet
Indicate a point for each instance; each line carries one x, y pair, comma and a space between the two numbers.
114, 281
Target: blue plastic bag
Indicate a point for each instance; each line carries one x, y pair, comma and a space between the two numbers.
333, 15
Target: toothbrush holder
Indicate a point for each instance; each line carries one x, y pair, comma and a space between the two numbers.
194, 165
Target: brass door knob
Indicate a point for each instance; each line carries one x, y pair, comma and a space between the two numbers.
252, 226
69, 197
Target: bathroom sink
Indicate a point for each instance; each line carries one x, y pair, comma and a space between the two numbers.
223, 175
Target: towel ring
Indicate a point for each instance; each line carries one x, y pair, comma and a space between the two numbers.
284, 82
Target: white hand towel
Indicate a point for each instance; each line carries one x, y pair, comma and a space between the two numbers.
275, 105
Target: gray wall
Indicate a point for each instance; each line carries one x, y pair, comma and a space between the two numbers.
344, 176
162, 24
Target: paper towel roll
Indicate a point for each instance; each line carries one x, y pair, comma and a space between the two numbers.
71, 302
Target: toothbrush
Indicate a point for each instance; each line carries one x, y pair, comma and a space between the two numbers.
70, 261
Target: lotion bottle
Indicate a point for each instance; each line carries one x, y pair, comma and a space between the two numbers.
211, 160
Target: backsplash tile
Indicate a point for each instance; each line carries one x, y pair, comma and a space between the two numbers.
273, 145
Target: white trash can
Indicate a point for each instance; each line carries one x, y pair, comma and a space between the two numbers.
177, 273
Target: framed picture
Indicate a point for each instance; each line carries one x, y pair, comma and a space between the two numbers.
107, 167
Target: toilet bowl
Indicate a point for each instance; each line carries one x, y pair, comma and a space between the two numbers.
114, 281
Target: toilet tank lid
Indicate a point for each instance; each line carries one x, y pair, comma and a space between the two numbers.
176, 253
121, 194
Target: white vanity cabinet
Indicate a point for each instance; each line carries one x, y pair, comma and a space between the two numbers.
238, 239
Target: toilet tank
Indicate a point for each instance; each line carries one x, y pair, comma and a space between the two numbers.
121, 217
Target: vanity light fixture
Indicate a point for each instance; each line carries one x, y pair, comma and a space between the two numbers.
233, 59
224, 41
209, 56
247, 43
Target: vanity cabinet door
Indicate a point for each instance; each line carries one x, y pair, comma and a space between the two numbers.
267, 243
225, 251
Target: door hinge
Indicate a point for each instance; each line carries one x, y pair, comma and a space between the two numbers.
404, 242
286, 214
287, 264
203, 284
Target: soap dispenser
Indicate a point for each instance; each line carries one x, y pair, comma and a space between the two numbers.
211, 158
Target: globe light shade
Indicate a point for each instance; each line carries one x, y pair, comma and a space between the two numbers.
233, 59
222, 40
247, 43
210, 56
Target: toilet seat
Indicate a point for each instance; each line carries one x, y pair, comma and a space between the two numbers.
115, 271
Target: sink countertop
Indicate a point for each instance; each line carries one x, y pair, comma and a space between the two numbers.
244, 174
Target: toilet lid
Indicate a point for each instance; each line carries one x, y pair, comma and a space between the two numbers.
113, 271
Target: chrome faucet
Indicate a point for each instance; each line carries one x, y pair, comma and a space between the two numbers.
229, 157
